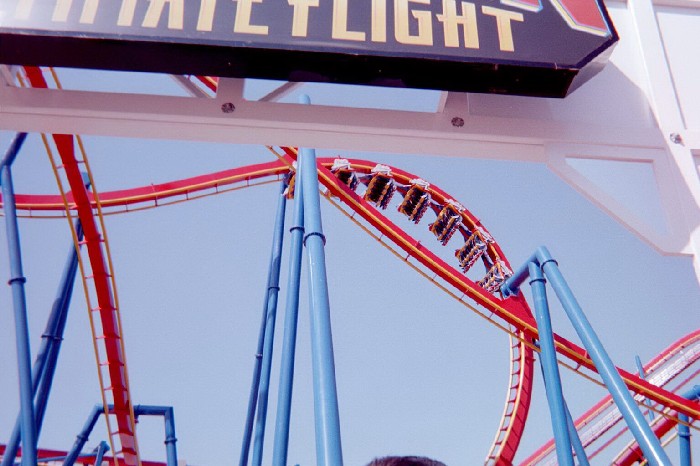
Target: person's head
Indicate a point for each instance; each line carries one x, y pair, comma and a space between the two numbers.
405, 461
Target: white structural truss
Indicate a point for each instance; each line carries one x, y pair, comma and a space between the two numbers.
635, 126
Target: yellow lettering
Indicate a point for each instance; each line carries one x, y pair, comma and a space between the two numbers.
378, 20
242, 23
300, 20
60, 11
401, 26
340, 23
205, 21
126, 13
451, 22
176, 14
503, 19
23, 9
89, 11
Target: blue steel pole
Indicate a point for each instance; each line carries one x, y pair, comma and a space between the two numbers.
102, 448
37, 372
575, 439
13, 150
16, 282
686, 457
170, 439
328, 444
642, 374
255, 384
169, 418
284, 397
67, 280
548, 359
273, 292
45, 363
511, 287
644, 435
82, 437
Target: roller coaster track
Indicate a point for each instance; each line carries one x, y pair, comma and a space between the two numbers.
519, 392
603, 416
632, 453
46, 456
520, 386
512, 314
512, 310
99, 285
509, 310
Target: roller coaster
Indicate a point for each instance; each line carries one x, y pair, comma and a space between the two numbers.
478, 277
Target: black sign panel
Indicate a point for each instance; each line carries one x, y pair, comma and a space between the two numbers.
530, 47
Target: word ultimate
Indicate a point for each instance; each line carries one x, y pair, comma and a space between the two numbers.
444, 23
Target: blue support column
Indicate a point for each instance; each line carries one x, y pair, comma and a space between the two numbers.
548, 359
102, 448
139, 410
67, 282
327, 420
650, 445
47, 356
255, 384
686, 457
284, 398
16, 282
170, 439
273, 291
98, 453
575, 439
83, 436
642, 374
644, 435
169, 419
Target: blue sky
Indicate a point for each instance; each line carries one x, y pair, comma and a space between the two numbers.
417, 372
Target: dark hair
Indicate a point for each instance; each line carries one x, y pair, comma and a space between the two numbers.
405, 461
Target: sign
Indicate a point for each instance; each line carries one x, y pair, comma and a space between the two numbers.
529, 47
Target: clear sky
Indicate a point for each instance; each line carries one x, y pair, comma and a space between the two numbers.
417, 372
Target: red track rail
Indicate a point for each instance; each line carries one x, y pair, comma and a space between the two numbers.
43, 454
589, 416
510, 310
123, 200
513, 310
106, 308
517, 407
635, 454
519, 394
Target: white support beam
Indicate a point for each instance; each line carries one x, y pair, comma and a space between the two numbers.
667, 233
622, 125
666, 106
270, 123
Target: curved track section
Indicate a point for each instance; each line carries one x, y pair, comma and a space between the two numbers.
603, 417
521, 375
346, 179
632, 453
512, 311
509, 432
343, 180
99, 286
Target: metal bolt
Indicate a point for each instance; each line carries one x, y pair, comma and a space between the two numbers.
457, 122
228, 107
675, 138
